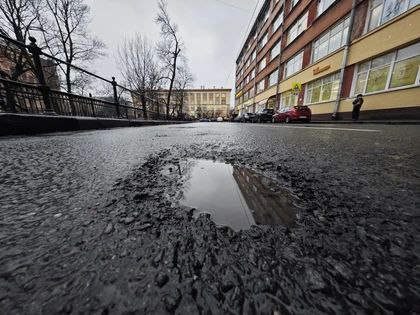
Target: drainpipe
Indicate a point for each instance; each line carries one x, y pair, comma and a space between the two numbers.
259, 27
279, 65
344, 62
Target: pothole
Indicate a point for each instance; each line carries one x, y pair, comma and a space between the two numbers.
234, 196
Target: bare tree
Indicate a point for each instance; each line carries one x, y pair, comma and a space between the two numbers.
169, 49
138, 66
18, 19
67, 36
183, 80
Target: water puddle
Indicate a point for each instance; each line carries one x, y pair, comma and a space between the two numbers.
234, 196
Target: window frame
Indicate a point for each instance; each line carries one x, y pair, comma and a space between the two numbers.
297, 22
269, 78
329, 32
381, 22
286, 64
335, 79
389, 75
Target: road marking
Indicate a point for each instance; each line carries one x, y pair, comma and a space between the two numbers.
329, 128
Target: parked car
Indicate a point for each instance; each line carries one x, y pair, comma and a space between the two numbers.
204, 120
249, 117
263, 115
295, 113
239, 118
219, 119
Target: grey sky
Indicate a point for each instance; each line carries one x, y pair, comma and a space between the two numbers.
212, 31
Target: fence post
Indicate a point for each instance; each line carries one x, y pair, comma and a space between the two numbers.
45, 90
91, 105
10, 100
117, 103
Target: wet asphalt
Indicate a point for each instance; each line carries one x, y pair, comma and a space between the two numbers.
90, 224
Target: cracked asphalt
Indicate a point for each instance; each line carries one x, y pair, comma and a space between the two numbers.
89, 224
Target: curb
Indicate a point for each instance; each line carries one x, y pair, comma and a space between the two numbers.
24, 124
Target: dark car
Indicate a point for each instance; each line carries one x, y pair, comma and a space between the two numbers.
249, 117
239, 118
263, 115
295, 113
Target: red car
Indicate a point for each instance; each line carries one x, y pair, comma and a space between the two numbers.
295, 113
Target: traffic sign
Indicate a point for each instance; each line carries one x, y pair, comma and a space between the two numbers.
296, 88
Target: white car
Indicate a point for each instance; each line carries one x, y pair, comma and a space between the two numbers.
219, 119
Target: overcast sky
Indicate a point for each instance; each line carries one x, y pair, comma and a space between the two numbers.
212, 30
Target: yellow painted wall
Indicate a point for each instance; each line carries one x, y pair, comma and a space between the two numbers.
388, 37
322, 108
266, 94
334, 61
387, 100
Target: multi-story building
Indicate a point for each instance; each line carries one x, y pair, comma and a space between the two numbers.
322, 53
201, 103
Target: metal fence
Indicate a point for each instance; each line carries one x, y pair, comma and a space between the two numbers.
39, 98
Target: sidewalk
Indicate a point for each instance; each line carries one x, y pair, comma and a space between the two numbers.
383, 122
26, 124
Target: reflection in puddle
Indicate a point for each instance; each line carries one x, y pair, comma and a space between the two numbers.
235, 196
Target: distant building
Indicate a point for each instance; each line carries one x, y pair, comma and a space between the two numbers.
49, 68
312, 52
208, 103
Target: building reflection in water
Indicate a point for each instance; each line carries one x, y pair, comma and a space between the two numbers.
235, 196
269, 204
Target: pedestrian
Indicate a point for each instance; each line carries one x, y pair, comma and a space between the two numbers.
357, 104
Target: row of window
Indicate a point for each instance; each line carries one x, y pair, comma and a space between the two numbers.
206, 98
399, 69
335, 37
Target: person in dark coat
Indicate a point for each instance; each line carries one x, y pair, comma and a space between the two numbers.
357, 104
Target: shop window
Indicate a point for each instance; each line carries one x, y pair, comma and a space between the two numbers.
288, 99
322, 90
394, 70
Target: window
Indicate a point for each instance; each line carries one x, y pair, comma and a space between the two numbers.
322, 90
273, 78
298, 28
252, 75
293, 65
275, 51
254, 55
264, 40
261, 86
293, 3
288, 99
223, 98
394, 70
205, 98
262, 64
247, 63
331, 40
381, 11
323, 5
278, 21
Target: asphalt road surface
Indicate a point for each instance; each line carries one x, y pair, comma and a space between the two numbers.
90, 222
